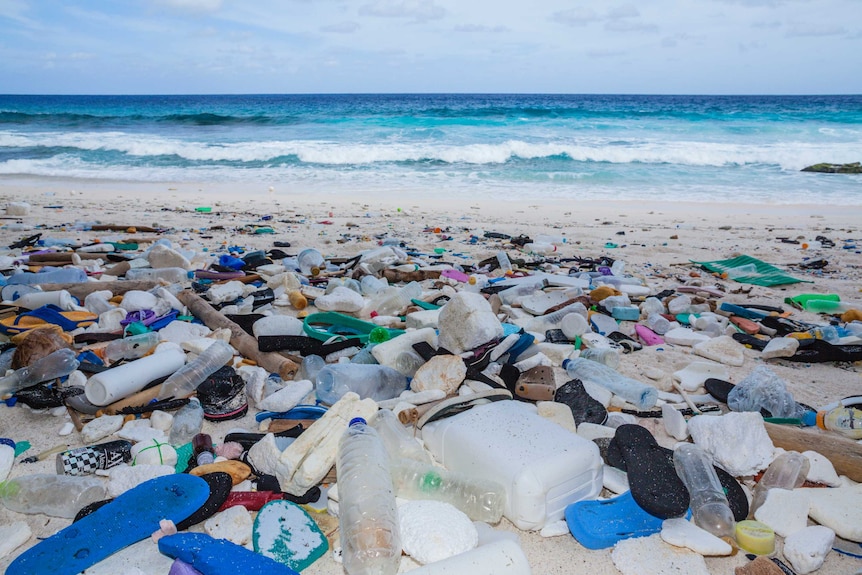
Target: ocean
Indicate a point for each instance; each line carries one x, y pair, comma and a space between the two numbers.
623, 147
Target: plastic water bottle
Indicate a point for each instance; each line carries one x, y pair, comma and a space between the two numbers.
310, 262
652, 305
763, 389
170, 275
187, 423
52, 276
394, 299
310, 367
49, 494
709, 505
787, 471
367, 517
643, 396
372, 285
844, 420
399, 443
132, 347
659, 324
504, 262
479, 499
606, 355
186, 379
540, 248
367, 380
55, 364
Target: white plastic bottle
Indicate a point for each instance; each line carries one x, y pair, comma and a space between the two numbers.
187, 423
367, 516
377, 382
185, 380
50, 494
170, 275
124, 380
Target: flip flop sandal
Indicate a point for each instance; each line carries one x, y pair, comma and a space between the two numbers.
599, 524
47, 314
627, 344
460, 403
584, 407
219, 556
819, 351
751, 341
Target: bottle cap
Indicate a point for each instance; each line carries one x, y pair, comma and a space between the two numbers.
357, 421
566, 362
755, 537
809, 418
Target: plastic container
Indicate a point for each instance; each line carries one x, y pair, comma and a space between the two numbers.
741, 271
503, 262
367, 515
124, 380
59, 298
829, 306
480, 499
658, 323
202, 448
310, 367
763, 389
55, 364
97, 302
787, 471
844, 420
640, 394
709, 506
170, 275
89, 459
377, 382
187, 422
310, 262
606, 355
132, 347
554, 319
540, 248
502, 557
54, 495
399, 443
542, 466
53, 276
186, 380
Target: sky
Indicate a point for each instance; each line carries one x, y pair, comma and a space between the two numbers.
423, 46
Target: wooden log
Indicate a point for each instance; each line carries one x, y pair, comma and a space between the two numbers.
395, 276
66, 257
83, 289
117, 228
845, 454
242, 341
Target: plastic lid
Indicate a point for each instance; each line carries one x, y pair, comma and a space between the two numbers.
7, 441
566, 362
357, 421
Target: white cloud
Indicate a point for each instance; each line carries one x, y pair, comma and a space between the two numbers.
481, 28
346, 27
576, 16
196, 6
419, 10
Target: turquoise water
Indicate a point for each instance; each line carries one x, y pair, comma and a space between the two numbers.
701, 148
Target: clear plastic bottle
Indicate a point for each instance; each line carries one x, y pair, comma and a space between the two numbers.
398, 442
709, 506
763, 389
394, 299
368, 380
643, 396
658, 323
504, 263
349, 283
202, 447
364, 355
54, 495
132, 347
787, 471
554, 319
479, 499
310, 367
170, 275
97, 302
829, 307
606, 355
367, 516
372, 285
844, 420
187, 423
52, 276
186, 379
407, 362
540, 248
509, 295
311, 262
55, 364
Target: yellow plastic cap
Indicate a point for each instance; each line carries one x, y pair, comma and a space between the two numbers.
755, 537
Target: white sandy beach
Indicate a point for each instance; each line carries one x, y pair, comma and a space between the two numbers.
656, 240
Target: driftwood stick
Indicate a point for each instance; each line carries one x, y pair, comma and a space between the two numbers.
845, 454
242, 341
83, 289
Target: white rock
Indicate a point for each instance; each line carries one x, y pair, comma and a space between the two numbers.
67, 429
161, 256
723, 349
684, 336
264, 455
100, 428
615, 480
821, 470
445, 372
784, 510
161, 420
467, 322
154, 452
7, 458
287, 397
220, 293
423, 318
136, 300
124, 477
434, 530
17, 209
591, 431
76, 379
692, 376
341, 299
13, 536
651, 556
653, 373
738, 442
559, 413
555, 529
180, 331
617, 418
387, 353
682, 533
839, 509
674, 422
807, 549
780, 347
137, 433
278, 325
234, 524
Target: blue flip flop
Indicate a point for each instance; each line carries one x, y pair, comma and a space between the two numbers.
219, 556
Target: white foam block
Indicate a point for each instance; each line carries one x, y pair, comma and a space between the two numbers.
651, 556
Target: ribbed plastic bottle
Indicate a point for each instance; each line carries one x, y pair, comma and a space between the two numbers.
187, 423
394, 299
310, 262
606, 355
709, 506
399, 443
310, 367
643, 396
170, 275
844, 420
54, 495
377, 382
787, 471
55, 364
372, 285
132, 347
186, 379
54, 276
367, 516
479, 499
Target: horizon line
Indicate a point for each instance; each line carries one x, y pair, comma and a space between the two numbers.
637, 94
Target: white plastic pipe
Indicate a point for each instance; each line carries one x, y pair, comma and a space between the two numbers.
119, 382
